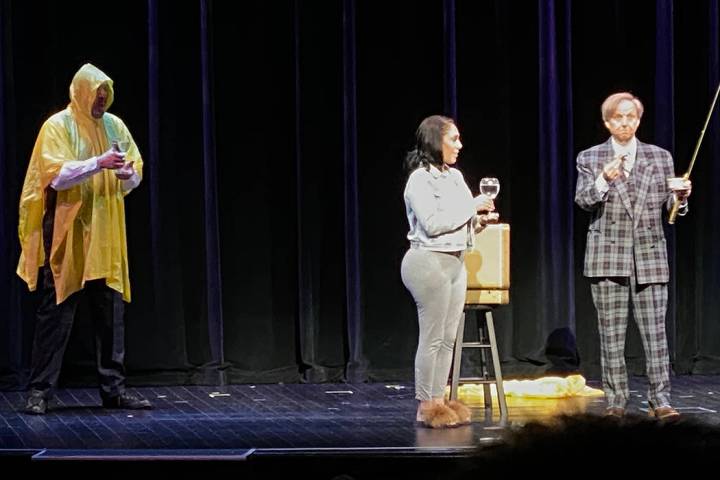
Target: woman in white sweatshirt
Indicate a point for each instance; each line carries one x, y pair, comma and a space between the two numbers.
441, 212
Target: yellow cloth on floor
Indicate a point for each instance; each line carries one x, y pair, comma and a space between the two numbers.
546, 387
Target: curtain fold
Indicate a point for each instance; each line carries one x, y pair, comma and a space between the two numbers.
556, 167
14, 340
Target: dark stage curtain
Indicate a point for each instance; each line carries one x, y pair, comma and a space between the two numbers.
266, 238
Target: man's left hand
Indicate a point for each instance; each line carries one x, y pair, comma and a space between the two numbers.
126, 171
682, 192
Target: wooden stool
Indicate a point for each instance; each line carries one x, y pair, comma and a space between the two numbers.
486, 340
488, 267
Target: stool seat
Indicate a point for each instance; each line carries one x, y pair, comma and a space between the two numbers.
487, 341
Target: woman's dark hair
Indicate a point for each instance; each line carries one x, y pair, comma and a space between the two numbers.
428, 143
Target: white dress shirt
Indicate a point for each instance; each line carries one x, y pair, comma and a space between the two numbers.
630, 152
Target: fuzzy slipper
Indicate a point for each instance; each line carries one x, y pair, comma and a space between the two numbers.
463, 413
439, 416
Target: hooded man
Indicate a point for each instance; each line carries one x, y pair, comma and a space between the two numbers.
72, 234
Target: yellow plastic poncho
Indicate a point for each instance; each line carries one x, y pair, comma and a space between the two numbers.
89, 239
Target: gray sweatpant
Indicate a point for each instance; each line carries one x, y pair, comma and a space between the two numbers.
437, 282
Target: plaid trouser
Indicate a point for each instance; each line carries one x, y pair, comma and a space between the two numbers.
611, 297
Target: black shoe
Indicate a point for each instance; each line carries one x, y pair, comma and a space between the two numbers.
127, 401
36, 403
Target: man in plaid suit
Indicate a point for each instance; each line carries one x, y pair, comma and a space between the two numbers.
623, 184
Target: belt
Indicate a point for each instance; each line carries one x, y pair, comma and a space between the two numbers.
457, 254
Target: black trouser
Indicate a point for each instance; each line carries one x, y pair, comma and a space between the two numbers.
52, 332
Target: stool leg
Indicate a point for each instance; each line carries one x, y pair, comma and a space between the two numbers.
484, 363
457, 358
487, 396
496, 365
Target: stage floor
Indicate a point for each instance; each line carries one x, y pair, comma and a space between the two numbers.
242, 421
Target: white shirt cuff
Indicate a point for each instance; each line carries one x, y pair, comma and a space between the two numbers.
131, 182
74, 172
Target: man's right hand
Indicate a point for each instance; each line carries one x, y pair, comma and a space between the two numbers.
111, 159
613, 169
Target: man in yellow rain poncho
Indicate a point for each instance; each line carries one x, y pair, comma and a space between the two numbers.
72, 235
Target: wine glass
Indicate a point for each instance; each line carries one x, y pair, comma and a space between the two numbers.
677, 184
120, 145
490, 186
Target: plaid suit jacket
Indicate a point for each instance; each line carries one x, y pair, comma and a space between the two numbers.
620, 230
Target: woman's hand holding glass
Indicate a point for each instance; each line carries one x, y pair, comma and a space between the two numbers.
483, 203
486, 211
489, 188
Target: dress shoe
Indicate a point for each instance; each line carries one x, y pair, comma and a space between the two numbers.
664, 413
36, 403
127, 401
617, 412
